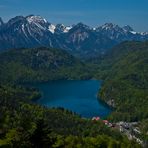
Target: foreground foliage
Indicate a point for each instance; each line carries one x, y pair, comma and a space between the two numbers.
24, 124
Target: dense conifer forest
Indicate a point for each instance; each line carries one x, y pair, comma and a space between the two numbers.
125, 87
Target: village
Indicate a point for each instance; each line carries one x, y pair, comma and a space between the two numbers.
130, 129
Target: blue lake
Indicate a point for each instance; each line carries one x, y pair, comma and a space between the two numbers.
76, 95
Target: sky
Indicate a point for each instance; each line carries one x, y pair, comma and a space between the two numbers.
91, 12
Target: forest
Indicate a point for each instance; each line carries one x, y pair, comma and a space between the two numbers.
24, 124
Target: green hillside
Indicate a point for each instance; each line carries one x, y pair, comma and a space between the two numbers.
40, 64
125, 70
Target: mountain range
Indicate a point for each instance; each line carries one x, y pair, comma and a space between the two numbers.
79, 40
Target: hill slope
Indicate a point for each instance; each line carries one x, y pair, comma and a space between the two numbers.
125, 70
39, 64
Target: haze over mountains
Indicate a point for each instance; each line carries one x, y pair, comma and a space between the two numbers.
80, 39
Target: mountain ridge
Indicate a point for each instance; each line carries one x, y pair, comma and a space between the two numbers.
80, 40
39, 65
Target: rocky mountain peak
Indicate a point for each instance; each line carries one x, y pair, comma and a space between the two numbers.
16, 20
81, 26
36, 19
109, 26
79, 39
128, 28
60, 28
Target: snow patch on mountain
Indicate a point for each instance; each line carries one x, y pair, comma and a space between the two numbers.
144, 33
33, 19
37, 21
60, 28
133, 32
67, 29
52, 28
108, 26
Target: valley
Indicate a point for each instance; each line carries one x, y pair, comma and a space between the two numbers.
101, 68
73, 74
123, 85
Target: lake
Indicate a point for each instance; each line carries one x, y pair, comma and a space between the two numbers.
79, 96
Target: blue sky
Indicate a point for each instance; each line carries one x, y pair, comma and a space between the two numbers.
90, 12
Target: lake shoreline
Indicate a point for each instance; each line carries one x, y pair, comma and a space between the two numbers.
86, 108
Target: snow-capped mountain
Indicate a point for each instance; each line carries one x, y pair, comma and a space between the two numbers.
79, 39
118, 33
60, 28
52, 28
30, 31
144, 33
